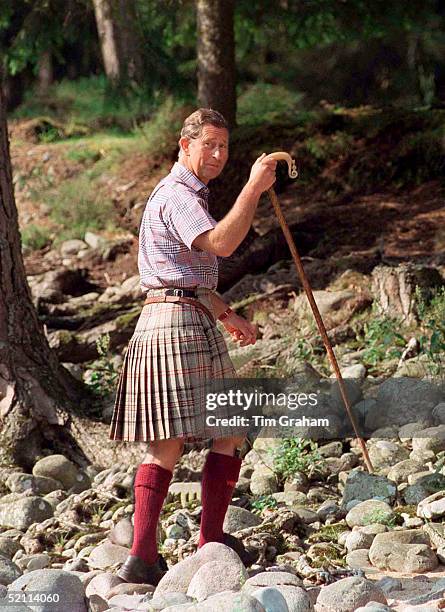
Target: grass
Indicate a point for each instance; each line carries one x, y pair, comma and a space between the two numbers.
265, 103
88, 101
160, 135
382, 341
431, 312
382, 517
35, 237
262, 502
77, 208
295, 455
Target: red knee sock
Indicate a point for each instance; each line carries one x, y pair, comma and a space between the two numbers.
150, 489
219, 477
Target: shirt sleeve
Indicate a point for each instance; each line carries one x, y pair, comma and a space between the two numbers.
186, 217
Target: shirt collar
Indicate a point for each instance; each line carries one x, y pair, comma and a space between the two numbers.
187, 177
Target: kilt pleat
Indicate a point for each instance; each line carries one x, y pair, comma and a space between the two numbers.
174, 351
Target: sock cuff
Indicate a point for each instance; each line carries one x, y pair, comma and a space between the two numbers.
153, 476
226, 464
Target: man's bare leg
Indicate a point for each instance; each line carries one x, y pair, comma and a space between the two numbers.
165, 453
227, 446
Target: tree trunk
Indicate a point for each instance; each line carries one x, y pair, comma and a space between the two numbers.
46, 75
394, 289
216, 57
41, 404
120, 42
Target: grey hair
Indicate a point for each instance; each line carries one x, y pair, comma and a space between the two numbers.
193, 124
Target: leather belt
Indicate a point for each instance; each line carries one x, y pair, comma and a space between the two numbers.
181, 292
183, 300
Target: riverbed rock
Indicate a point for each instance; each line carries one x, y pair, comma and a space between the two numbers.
348, 594
370, 511
400, 471
107, 554
20, 514
239, 518
214, 577
69, 588
432, 507
363, 486
403, 551
403, 400
271, 599
59, 468
9, 571
179, 576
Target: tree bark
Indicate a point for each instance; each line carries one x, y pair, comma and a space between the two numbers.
216, 57
394, 289
41, 404
120, 42
46, 74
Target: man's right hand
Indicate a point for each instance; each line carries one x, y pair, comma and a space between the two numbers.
262, 174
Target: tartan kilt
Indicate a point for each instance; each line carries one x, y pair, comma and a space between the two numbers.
174, 349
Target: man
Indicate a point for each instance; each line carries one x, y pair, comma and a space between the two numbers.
176, 341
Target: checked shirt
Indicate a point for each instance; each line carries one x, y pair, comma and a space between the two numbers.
175, 214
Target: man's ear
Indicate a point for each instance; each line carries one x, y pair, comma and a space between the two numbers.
184, 145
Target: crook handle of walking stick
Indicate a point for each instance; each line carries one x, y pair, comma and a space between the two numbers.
282, 155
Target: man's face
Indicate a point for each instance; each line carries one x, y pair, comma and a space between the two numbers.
207, 155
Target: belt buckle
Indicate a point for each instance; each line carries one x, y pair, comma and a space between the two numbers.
178, 292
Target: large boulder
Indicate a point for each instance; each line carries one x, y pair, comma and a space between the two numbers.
423, 487
403, 400
107, 554
239, 518
386, 453
22, 513
362, 486
271, 579
406, 551
179, 577
9, 571
432, 507
297, 599
59, 468
271, 599
400, 471
214, 577
348, 594
227, 600
368, 512
69, 588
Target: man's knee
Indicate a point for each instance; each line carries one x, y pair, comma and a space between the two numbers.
172, 446
229, 443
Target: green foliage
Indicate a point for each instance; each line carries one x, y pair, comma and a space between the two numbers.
264, 103
90, 102
76, 207
35, 237
328, 533
432, 315
262, 502
104, 375
382, 517
160, 134
83, 155
382, 341
295, 455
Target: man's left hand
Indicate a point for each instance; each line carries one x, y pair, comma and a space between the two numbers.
240, 329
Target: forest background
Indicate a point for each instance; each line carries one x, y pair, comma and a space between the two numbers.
95, 94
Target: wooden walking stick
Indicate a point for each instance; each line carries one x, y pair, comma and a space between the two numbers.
293, 173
